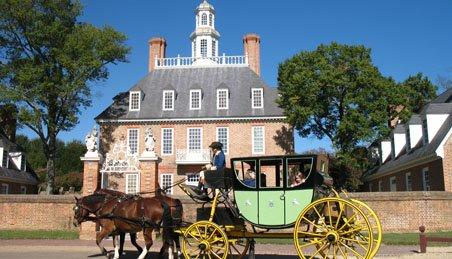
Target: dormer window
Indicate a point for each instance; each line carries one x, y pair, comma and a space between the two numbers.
424, 132
168, 100
222, 99
257, 98
195, 99
134, 104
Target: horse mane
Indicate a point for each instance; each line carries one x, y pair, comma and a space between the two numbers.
94, 198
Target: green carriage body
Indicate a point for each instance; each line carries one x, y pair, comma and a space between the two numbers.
272, 202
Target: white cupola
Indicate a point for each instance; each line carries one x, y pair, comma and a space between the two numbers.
204, 40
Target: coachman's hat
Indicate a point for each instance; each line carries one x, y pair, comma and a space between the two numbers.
216, 145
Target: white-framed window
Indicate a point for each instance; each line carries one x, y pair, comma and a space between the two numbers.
134, 100
210, 19
167, 141
258, 137
168, 100
4, 189
23, 189
195, 99
408, 182
425, 179
214, 48
192, 179
222, 99
4, 157
166, 180
393, 184
23, 163
203, 48
194, 138
380, 185
132, 183
223, 138
132, 141
204, 19
257, 98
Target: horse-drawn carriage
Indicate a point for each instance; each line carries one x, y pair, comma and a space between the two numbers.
258, 197
324, 224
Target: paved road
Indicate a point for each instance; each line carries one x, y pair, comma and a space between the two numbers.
75, 249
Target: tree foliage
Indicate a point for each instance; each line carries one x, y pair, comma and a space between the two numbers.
337, 92
49, 61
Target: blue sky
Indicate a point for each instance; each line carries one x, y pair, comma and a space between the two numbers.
406, 37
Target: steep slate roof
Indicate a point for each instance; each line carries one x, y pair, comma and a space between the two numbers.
12, 173
239, 81
441, 105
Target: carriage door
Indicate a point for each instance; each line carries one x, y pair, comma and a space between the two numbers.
298, 192
271, 192
245, 193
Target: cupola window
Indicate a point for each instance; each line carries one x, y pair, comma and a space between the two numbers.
204, 48
210, 19
204, 19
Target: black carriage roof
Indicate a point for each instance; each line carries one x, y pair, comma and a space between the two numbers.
275, 156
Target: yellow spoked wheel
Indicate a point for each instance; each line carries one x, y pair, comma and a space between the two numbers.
205, 239
331, 228
238, 248
375, 224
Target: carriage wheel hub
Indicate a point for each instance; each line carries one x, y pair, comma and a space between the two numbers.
204, 245
332, 236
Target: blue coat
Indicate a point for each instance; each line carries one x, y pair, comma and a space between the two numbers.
219, 160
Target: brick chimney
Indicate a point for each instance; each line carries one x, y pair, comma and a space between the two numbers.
251, 46
157, 47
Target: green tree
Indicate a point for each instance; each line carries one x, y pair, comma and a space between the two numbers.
419, 91
337, 92
49, 62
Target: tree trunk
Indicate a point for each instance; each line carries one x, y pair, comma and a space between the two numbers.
51, 165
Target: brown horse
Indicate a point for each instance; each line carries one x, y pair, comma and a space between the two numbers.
131, 214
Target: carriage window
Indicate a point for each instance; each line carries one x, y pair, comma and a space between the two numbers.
298, 170
245, 172
271, 173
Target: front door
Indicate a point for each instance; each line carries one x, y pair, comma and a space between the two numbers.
271, 192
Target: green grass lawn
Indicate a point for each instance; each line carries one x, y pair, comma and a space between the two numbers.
39, 234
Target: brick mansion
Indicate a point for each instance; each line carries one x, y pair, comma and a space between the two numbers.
180, 107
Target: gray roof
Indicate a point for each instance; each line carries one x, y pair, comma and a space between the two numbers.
417, 152
14, 175
415, 119
441, 105
400, 128
239, 81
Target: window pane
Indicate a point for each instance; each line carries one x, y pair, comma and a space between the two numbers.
214, 48
204, 19
298, 170
257, 98
168, 100
222, 99
271, 173
194, 139
167, 141
135, 101
167, 181
204, 48
5, 158
132, 183
133, 141
222, 137
258, 140
245, 172
192, 179
195, 99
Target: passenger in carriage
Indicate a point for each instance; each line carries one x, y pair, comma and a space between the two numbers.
250, 178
